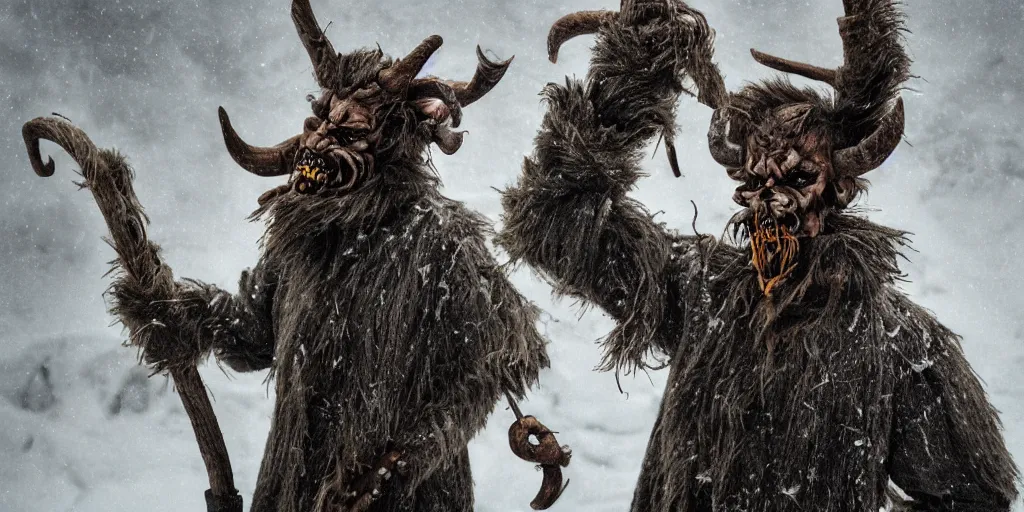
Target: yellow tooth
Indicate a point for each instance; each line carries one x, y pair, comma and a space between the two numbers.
309, 172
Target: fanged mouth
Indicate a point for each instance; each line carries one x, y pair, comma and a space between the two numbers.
312, 173
774, 250
790, 222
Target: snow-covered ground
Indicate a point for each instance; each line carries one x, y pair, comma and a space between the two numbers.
91, 433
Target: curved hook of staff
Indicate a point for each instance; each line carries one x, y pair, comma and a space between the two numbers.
547, 453
111, 187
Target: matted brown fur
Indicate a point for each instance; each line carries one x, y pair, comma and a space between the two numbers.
812, 399
385, 321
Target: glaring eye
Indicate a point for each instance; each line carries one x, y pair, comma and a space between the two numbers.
348, 135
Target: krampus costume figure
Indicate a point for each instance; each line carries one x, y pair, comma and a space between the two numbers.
801, 377
387, 325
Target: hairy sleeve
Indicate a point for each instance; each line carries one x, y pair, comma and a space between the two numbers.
243, 327
947, 451
180, 327
876, 64
484, 342
570, 217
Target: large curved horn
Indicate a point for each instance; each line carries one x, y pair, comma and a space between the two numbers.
321, 52
798, 68
66, 135
275, 161
872, 152
396, 79
724, 151
873, 58
488, 74
575, 24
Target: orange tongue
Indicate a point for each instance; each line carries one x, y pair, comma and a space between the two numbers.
774, 250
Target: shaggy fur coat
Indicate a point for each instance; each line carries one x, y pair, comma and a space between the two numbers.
386, 324
811, 400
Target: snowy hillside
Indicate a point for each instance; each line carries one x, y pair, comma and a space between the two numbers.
82, 429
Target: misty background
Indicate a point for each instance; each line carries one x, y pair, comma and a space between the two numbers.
82, 428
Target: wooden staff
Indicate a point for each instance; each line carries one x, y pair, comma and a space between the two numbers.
111, 186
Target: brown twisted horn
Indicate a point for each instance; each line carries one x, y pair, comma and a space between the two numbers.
456, 95
797, 68
66, 135
724, 151
274, 161
827, 75
874, 66
396, 79
321, 52
488, 74
573, 25
872, 152
589, 22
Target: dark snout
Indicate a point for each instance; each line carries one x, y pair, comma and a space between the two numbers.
773, 205
323, 161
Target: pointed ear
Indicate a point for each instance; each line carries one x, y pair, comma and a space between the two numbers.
436, 100
847, 189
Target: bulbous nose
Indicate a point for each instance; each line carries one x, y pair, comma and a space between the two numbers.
316, 136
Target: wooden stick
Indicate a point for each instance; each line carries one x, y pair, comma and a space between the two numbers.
139, 258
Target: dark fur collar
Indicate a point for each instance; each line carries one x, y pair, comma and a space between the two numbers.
292, 218
853, 260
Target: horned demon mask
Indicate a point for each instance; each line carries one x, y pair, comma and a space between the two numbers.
800, 156
368, 106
